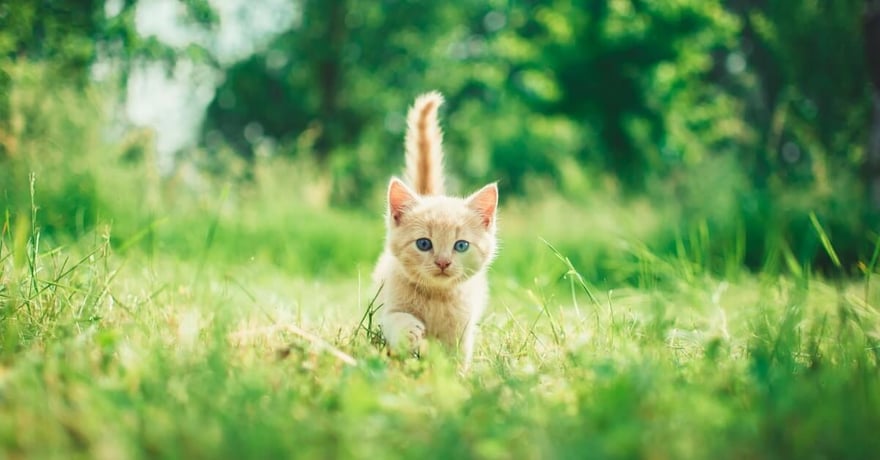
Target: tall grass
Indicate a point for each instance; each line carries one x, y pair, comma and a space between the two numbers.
109, 357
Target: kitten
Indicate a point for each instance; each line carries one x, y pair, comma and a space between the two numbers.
437, 248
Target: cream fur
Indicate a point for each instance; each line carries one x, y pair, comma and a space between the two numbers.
438, 293
424, 145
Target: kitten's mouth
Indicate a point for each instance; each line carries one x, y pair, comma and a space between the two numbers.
443, 275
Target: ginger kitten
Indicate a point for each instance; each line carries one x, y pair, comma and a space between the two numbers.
437, 248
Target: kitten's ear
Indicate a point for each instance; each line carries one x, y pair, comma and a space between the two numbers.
485, 202
400, 198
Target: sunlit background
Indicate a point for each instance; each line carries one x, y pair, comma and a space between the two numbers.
725, 123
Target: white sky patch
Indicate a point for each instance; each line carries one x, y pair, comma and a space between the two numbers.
113, 7
173, 106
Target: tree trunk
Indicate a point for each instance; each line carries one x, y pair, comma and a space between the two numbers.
328, 73
8, 139
871, 166
872, 160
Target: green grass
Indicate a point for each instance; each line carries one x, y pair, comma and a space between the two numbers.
162, 354
199, 317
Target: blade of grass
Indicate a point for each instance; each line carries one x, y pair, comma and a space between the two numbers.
870, 269
35, 237
212, 231
141, 234
572, 272
826, 242
368, 317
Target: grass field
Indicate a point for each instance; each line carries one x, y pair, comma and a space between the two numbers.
241, 332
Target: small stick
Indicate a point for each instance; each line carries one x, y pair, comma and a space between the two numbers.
313, 339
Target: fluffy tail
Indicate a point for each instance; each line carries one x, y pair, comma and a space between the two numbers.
424, 150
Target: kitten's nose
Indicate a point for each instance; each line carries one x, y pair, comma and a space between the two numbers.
442, 263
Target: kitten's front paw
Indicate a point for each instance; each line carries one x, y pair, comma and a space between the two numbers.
404, 333
416, 337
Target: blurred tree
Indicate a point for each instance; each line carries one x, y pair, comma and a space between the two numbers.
335, 86
774, 93
622, 70
321, 74
295, 83
43, 30
810, 105
749, 113
349, 66
871, 169
812, 92
70, 36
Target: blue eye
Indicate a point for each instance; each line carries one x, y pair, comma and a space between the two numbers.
461, 246
424, 244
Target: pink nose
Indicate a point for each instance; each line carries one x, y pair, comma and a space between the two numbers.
442, 263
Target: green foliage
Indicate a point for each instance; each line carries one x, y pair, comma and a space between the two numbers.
69, 37
516, 77
85, 180
811, 127
58, 31
715, 105
50, 120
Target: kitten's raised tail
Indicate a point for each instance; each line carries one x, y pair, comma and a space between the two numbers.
424, 149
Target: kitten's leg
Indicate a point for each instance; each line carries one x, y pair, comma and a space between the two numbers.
403, 331
467, 347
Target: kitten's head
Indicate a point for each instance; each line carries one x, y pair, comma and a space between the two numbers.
441, 240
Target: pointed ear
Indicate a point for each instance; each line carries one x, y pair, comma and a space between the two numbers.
485, 202
400, 198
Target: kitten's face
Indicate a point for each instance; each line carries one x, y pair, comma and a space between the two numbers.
441, 240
